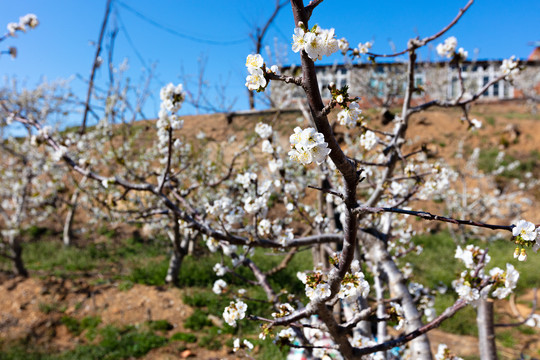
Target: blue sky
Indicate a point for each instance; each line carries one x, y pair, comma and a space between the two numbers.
60, 47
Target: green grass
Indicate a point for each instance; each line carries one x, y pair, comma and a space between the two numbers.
490, 120
54, 258
506, 339
185, 337
151, 273
75, 326
525, 116
35, 232
113, 344
116, 343
48, 308
159, 325
269, 350
72, 324
197, 321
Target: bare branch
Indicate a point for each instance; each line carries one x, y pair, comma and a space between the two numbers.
429, 216
95, 65
418, 43
533, 310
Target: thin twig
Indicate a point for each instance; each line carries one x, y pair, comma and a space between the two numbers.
329, 191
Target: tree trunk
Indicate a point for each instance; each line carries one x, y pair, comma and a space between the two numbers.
381, 311
16, 253
180, 250
378, 254
175, 263
68, 224
486, 330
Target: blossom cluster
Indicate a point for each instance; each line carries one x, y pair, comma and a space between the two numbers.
255, 66
504, 282
350, 116
368, 140
246, 345
315, 42
284, 310
263, 130
443, 353
29, 20
526, 234
438, 185
353, 284
396, 313
308, 146
471, 286
235, 311
448, 49
467, 286
219, 287
427, 300
343, 45
172, 98
509, 68
316, 285
363, 48
471, 256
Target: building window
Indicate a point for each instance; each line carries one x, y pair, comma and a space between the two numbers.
506, 90
485, 80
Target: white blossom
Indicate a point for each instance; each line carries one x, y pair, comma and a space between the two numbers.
254, 62
351, 116
321, 291
509, 68
315, 43
363, 48
235, 311
308, 146
264, 227
368, 140
267, 147
275, 165
246, 179
343, 45
448, 48
263, 130
298, 39
352, 286
510, 276
525, 230
477, 124
465, 291
219, 286
287, 334
443, 353
256, 80
220, 270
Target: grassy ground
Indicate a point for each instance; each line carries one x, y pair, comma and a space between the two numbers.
142, 262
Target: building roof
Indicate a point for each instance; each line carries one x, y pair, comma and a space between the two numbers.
535, 54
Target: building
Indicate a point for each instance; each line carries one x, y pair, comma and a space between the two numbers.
383, 84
